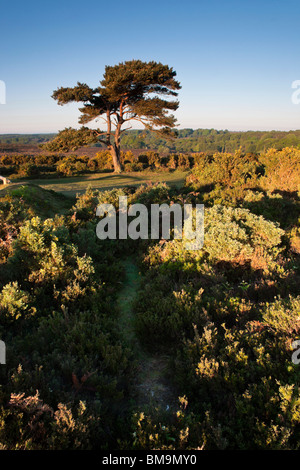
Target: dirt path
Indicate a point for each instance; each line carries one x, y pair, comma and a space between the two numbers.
152, 385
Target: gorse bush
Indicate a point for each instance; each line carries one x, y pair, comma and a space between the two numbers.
231, 235
273, 207
151, 194
70, 166
236, 235
282, 170
271, 171
226, 169
282, 316
14, 303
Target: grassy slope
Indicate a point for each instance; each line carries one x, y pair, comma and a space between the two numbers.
44, 203
73, 185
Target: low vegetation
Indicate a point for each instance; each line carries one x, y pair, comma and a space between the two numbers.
218, 323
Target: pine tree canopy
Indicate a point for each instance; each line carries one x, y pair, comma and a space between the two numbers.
130, 91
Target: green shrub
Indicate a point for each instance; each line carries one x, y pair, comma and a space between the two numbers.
227, 169
282, 170
231, 235
283, 315
14, 303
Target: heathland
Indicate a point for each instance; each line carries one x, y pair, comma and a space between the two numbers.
140, 344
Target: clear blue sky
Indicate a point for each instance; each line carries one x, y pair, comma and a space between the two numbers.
236, 59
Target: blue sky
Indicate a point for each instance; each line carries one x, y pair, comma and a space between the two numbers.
236, 60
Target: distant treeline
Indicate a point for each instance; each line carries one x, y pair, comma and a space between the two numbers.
24, 139
211, 140
188, 140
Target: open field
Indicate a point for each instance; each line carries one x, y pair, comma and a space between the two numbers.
77, 185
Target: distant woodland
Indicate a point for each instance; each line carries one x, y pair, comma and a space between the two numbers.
188, 140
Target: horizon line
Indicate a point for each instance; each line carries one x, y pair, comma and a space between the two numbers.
180, 129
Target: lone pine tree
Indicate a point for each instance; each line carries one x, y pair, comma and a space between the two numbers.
130, 91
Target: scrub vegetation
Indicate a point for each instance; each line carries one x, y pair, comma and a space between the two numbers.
123, 344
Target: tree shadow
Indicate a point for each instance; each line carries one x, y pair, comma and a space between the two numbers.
118, 177
284, 209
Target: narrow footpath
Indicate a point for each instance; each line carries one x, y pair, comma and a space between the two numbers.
152, 387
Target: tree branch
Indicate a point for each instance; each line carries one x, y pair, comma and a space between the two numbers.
124, 130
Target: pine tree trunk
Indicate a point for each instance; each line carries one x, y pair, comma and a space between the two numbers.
115, 153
